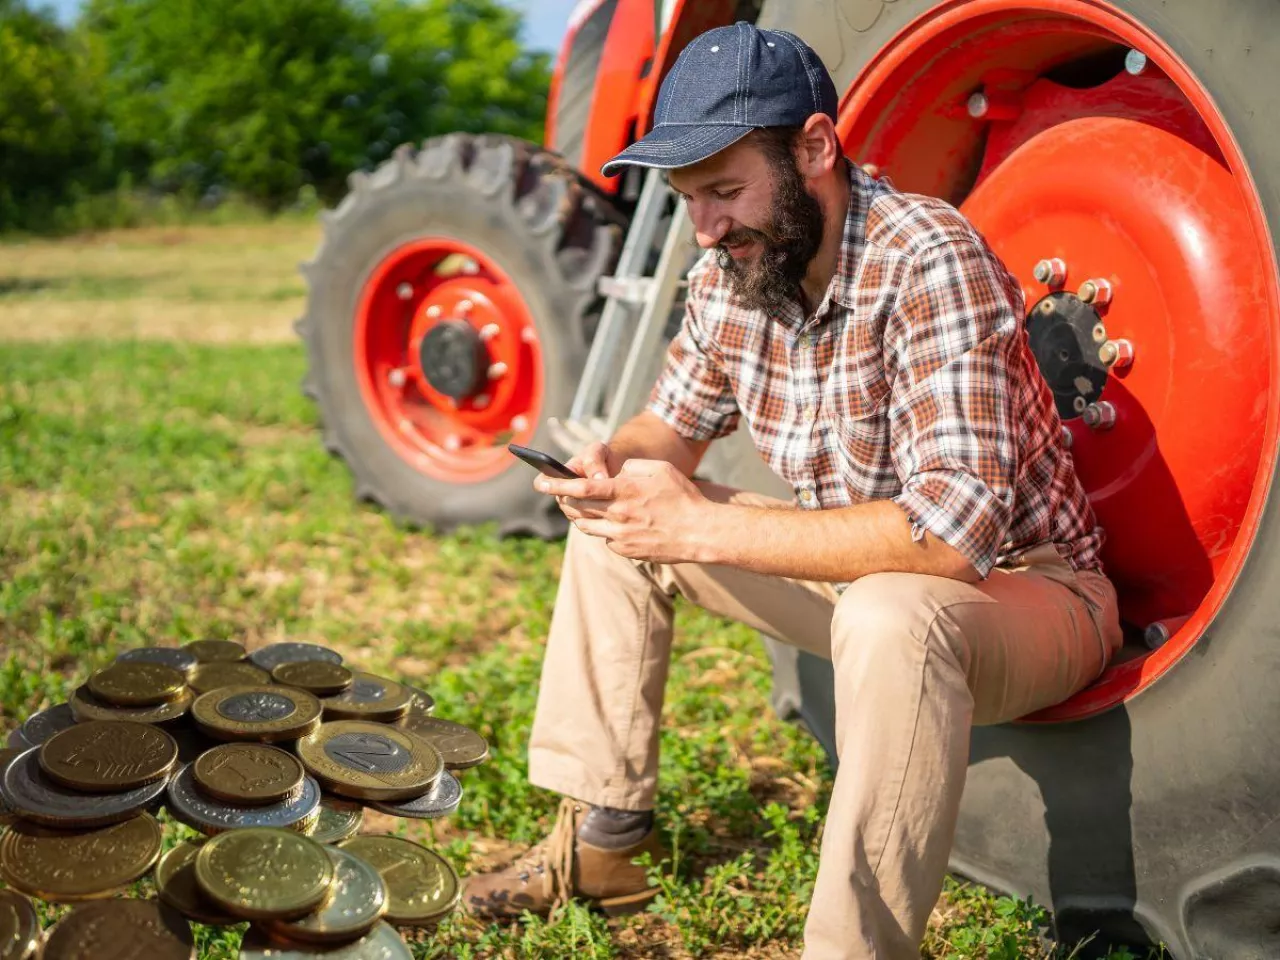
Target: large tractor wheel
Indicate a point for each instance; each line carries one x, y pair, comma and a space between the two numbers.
451, 306
1132, 142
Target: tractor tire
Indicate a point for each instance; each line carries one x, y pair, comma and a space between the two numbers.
1157, 820
543, 237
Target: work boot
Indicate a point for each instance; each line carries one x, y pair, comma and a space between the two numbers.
566, 865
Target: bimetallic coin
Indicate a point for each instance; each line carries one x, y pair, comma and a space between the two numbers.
248, 774
20, 926
211, 676
35, 797
16, 741
212, 817
103, 756
7, 756
137, 684
370, 761
338, 820
176, 885
358, 902
369, 698
216, 651
272, 655
423, 702
121, 930
440, 802
43, 725
86, 707
461, 747
67, 866
266, 713
320, 677
181, 660
265, 874
421, 886
380, 943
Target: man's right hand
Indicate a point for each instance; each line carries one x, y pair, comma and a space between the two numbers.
595, 461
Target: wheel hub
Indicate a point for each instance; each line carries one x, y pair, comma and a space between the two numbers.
453, 359
1065, 333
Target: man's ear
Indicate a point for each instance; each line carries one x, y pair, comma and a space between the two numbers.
817, 147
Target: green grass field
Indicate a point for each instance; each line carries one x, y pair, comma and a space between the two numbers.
161, 480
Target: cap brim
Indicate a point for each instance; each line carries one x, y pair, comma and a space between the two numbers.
669, 147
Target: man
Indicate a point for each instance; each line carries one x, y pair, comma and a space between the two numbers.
940, 549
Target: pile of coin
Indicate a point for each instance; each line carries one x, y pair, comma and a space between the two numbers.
271, 756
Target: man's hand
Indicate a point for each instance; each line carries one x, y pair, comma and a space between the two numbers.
649, 511
595, 460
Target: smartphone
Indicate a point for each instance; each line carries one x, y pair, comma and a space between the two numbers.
547, 464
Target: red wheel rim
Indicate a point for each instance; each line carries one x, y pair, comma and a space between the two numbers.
417, 287
1131, 176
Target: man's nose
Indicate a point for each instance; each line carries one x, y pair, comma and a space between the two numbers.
708, 228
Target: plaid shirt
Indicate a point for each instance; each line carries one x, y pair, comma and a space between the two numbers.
913, 381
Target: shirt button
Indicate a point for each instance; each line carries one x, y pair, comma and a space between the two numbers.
805, 342
806, 496
807, 414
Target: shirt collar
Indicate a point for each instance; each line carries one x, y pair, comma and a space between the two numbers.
843, 281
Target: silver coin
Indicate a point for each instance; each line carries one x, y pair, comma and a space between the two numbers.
37, 798
271, 656
7, 814
193, 808
175, 657
17, 741
358, 901
423, 702
43, 725
380, 943
256, 707
440, 802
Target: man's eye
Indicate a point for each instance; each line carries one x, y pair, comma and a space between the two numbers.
727, 194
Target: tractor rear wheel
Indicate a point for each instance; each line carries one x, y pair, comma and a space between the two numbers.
451, 305
1132, 141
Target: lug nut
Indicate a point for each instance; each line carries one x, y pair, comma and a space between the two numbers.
497, 370
1099, 333
1155, 636
528, 335
451, 442
1096, 291
1116, 354
1068, 438
470, 267
480, 401
396, 377
433, 312
993, 105
1135, 62
519, 423
464, 306
489, 331
1079, 403
1099, 416
1051, 272
978, 105
404, 291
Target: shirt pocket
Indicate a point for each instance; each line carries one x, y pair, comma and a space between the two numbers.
863, 455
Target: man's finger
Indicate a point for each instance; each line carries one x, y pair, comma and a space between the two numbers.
578, 489
586, 508
643, 468
596, 527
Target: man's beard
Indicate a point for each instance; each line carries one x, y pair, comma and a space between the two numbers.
789, 243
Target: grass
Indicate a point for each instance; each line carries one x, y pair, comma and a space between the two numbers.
162, 491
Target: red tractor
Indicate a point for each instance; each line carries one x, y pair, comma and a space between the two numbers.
1117, 155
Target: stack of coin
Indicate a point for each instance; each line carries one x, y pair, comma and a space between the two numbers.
233, 744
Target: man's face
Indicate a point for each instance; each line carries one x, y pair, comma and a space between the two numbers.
756, 213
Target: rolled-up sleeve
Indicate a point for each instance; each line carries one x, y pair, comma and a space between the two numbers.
693, 395
952, 341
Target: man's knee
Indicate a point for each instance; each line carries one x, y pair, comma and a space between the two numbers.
883, 617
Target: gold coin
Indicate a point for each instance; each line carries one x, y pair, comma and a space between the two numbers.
102, 756
265, 713
137, 684
264, 873
211, 676
19, 927
423, 702
369, 698
370, 761
85, 706
383, 942
358, 902
216, 651
176, 885
64, 866
248, 774
338, 820
314, 676
422, 887
121, 930
461, 747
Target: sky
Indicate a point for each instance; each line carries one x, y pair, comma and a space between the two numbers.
544, 20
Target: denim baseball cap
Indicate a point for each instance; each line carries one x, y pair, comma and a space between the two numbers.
726, 83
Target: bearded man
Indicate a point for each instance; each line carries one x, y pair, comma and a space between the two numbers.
939, 550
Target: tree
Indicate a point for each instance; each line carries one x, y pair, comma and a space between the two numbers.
266, 96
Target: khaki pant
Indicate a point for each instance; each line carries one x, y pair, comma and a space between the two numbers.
918, 660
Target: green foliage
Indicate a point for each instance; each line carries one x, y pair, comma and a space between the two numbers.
275, 101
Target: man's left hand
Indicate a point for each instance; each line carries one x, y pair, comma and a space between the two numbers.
649, 511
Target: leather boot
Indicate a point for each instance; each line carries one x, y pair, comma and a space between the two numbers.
564, 866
